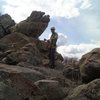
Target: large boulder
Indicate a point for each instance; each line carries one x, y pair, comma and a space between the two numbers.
17, 83
16, 48
28, 54
14, 41
11, 43
6, 22
90, 65
90, 91
34, 25
51, 89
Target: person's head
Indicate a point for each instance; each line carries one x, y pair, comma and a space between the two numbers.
52, 29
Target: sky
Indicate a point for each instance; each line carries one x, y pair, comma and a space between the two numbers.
76, 21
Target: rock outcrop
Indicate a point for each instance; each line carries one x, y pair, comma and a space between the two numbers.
51, 89
17, 48
25, 73
6, 22
17, 83
24, 63
90, 65
34, 25
90, 91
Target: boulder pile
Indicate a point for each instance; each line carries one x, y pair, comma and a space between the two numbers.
25, 73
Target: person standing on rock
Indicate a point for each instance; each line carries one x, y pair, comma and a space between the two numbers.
52, 50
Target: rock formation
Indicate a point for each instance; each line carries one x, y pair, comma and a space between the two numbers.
34, 25
90, 91
25, 73
22, 58
6, 22
90, 65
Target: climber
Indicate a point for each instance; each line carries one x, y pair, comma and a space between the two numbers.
52, 50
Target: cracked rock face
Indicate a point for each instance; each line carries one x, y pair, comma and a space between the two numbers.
34, 25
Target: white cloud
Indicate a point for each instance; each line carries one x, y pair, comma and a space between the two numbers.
20, 9
85, 4
77, 50
62, 39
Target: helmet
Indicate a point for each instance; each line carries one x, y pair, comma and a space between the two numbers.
52, 28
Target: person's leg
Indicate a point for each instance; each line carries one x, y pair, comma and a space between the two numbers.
50, 57
53, 57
